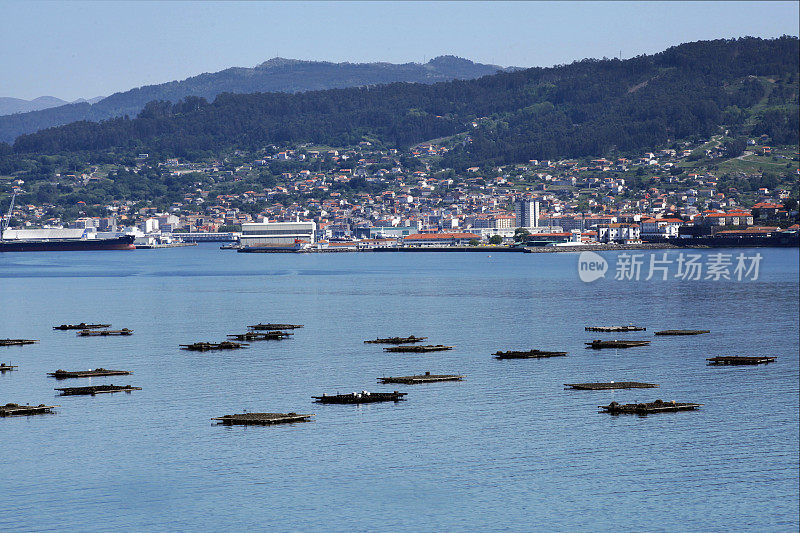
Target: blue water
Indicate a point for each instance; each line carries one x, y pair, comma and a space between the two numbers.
506, 449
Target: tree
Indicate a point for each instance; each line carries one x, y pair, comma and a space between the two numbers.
495, 239
520, 234
473, 242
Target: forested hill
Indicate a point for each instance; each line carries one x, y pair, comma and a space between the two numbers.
275, 75
590, 107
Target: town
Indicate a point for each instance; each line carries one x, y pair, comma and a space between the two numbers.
368, 196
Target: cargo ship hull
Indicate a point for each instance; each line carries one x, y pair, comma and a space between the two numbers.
68, 245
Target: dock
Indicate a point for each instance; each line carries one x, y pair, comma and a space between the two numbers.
97, 372
17, 342
427, 377
361, 397
206, 346
614, 329
657, 406
105, 332
739, 360
611, 385
7, 368
260, 336
598, 344
683, 332
262, 419
268, 327
529, 354
418, 349
82, 325
397, 340
96, 389
15, 409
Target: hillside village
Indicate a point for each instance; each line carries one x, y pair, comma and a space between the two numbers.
367, 192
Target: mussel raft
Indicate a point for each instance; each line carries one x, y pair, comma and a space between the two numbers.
82, 325
262, 419
418, 349
15, 409
361, 397
427, 377
682, 332
598, 344
96, 389
614, 329
260, 336
397, 340
268, 327
97, 372
206, 346
124, 332
611, 385
529, 354
7, 368
17, 342
739, 360
657, 406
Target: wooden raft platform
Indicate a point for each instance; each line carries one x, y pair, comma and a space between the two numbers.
260, 336
15, 409
206, 346
17, 342
529, 354
397, 340
82, 325
419, 349
97, 372
598, 344
647, 408
267, 327
361, 397
105, 332
262, 419
7, 368
683, 332
96, 389
614, 329
739, 360
427, 377
611, 385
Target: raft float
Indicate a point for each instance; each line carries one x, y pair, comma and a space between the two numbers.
427, 377
261, 419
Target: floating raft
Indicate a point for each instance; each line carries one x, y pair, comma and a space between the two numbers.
739, 360
105, 332
419, 349
614, 329
611, 385
206, 346
646, 408
427, 377
683, 332
598, 344
82, 325
361, 397
397, 340
7, 368
264, 336
262, 419
529, 354
15, 409
17, 342
263, 327
97, 372
96, 389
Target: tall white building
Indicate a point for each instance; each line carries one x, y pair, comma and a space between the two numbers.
527, 212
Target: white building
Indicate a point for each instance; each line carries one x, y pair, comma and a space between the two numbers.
277, 233
617, 232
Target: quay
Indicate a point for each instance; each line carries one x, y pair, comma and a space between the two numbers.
206, 346
7, 368
361, 397
598, 344
17, 342
427, 377
397, 340
262, 419
97, 372
529, 354
683, 332
15, 409
657, 406
739, 360
82, 325
96, 389
611, 385
418, 349
105, 332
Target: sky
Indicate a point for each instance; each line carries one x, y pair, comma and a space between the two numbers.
79, 49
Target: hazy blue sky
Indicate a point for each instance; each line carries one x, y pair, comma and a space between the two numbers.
84, 49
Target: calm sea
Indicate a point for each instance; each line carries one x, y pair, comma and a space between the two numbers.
507, 449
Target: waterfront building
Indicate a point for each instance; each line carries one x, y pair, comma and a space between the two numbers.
277, 233
527, 212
